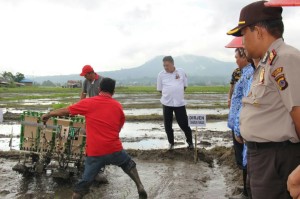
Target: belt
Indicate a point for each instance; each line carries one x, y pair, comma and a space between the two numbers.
265, 145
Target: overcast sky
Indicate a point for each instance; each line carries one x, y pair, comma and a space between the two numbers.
53, 37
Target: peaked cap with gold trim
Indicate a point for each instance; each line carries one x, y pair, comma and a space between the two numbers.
253, 13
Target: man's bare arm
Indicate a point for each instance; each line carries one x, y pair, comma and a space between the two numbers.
58, 112
295, 113
293, 183
82, 96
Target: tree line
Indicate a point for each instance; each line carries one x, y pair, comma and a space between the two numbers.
8, 76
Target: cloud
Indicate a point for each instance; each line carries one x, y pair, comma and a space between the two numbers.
60, 36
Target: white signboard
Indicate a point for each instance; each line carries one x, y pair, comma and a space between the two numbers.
197, 120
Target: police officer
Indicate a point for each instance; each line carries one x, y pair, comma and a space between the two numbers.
270, 117
293, 182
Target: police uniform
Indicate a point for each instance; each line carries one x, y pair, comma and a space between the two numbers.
274, 92
265, 120
266, 123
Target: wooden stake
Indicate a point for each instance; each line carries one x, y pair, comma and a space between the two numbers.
196, 153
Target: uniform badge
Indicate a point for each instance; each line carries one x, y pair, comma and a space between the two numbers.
177, 76
277, 71
264, 60
281, 81
262, 76
272, 57
255, 103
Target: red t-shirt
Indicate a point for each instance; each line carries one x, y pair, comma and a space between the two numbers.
104, 118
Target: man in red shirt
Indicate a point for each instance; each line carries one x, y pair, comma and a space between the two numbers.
104, 119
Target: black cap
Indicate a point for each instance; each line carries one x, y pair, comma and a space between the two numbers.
253, 13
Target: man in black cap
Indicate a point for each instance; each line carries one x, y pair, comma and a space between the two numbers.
270, 117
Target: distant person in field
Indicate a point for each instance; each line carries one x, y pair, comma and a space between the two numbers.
91, 84
104, 119
171, 83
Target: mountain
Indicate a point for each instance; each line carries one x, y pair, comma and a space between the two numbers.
201, 70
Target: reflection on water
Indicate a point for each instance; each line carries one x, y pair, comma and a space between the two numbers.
139, 135
191, 99
7, 129
4, 144
159, 111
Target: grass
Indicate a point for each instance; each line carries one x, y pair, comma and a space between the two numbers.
46, 96
60, 105
39, 89
191, 89
120, 89
10, 97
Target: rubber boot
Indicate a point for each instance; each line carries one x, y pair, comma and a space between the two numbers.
133, 174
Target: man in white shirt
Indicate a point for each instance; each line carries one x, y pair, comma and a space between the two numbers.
171, 83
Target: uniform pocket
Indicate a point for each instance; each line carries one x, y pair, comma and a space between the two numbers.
263, 94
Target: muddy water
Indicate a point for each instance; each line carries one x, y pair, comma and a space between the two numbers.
14, 185
216, 187
10, 128
191, 99
173, 176
158, 111
164, 174
141, 135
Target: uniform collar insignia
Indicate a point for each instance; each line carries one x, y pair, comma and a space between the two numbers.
272, 57
265, 58
262, 76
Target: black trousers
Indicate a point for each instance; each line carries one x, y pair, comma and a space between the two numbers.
238, 152
182, 120
269, 165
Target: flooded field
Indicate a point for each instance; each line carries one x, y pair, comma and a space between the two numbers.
142, 135
165, 174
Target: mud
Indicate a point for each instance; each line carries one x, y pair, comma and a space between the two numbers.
165, 174
9, 116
